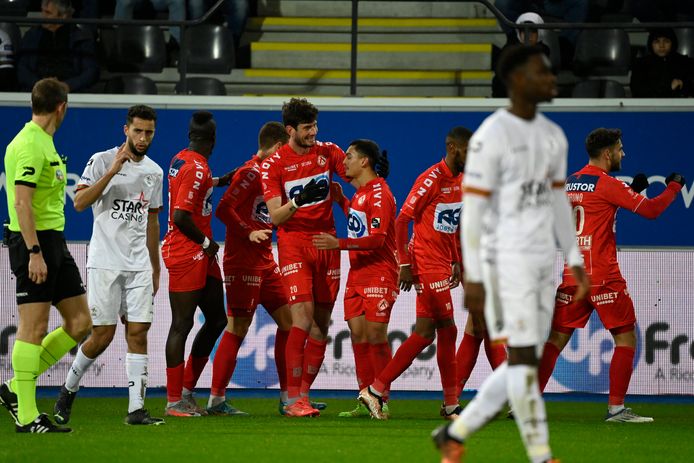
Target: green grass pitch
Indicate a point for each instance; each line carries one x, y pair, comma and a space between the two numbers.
577, 432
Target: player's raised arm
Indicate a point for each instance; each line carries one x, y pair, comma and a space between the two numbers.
96, 178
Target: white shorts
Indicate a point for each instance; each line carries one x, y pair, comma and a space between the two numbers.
115, 293
519, 299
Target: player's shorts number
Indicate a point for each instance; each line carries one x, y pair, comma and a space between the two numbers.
580, 219
293, 289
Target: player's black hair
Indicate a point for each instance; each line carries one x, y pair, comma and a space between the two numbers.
202, 127
271, 133
377, 158
140, 111
601, 138
460, 134
514, 57
298, 111
47, 95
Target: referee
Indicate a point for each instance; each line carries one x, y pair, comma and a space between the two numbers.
45, 272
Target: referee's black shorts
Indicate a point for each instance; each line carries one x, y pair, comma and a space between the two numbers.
63, 279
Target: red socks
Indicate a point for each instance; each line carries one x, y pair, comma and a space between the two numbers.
465, 358
313, 359
621, 368
280, 357
404, 357
380, 355
445, 356
193, 370
295, 360
362, 363
496, 352
549, 359
174, 383
224, 362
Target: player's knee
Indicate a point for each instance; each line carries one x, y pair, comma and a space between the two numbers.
78, 326
181, 326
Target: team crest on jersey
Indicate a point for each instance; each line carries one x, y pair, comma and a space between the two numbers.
59, 175
322, 160
361, 200
149, 180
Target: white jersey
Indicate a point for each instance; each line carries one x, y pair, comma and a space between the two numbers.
517, 161
119, 236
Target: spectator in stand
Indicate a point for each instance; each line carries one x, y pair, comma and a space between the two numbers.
8, 75
662, 73
498, 87
573, 11
64, 51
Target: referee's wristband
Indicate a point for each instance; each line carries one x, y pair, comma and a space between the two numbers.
206, 243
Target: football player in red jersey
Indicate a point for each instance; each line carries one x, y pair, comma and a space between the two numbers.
372, 284
596, 197
432, 263
251, 275
296, 184
190, 255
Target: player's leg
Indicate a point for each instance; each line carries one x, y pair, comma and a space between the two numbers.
136, 362
273, 296
379, 348
360, 349
467, 353
559, 337
446, 335
183, 306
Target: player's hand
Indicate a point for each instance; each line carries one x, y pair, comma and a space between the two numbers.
454, 280
38, 271
122, 156
225, 179
212, 249
675, 177
639, 183
676, 84
258, 236
336, 192
325, 241
155, 282
582, 283
405, 279
474, 298
312, 192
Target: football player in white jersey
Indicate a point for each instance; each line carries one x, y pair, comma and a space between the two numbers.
124, 188
515, 211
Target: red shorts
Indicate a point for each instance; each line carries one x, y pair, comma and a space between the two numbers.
191, 274
374, 300
611, 300
433, 296
310, 274
246, 288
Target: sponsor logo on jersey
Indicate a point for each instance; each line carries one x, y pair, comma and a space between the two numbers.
534, 194
376, 222
293, 188
28, 171
130, 210
584, 364
176, 165
260, 211
582, 182
356, 224
447, 217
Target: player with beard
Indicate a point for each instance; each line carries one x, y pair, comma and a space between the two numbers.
516, 211
596, 197
430, 262
124, 188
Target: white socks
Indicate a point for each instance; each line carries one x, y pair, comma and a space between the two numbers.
490, 397
529, 411
215, 400
77, 370
136, 368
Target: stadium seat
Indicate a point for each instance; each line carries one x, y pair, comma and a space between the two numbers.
138, 49
598, 89
602, 52
685, 37
131, 84
14, 7
15, 34
551, 39
210, 49
202, 86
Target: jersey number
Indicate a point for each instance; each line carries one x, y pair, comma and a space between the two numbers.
580, 219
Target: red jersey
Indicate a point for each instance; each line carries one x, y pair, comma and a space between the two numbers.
285, 173
243, 210
434, 203
190, 189
595, 197
371, 227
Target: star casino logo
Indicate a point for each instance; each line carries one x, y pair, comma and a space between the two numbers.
584, 364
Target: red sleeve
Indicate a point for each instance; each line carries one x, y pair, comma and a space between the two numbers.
380, 214
337, 157
367, 242
402, 236
458, 250
419, 196
237, 193
270, 176
187, 194
620, 194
